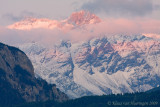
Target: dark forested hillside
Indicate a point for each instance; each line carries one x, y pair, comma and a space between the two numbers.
143, 99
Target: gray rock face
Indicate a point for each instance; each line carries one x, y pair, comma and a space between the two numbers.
17, 80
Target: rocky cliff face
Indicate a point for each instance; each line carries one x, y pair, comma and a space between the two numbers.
17, 81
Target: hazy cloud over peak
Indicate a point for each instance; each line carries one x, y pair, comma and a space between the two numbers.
10, 17
120, 7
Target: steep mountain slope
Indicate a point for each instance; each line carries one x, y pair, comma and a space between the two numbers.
17, 80
104, 65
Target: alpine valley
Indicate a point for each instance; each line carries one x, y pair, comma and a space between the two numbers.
106, 64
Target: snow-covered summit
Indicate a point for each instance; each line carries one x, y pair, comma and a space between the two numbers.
83, 17
33, 23
76, 19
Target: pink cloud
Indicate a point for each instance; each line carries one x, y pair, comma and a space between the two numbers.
109, 26
150, 26
81, 26
116, 26
127, 26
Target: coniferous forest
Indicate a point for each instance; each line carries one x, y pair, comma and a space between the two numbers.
144, 99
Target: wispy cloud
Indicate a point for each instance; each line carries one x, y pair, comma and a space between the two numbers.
120, 8
10, 17
109, 26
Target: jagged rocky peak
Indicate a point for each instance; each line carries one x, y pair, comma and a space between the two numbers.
76, 19
64, 43
18, 82
30, 19
83, 17
34, 23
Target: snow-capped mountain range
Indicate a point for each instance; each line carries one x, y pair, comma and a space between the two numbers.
101, 65
76, 19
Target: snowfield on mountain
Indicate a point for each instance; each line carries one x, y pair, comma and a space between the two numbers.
104, 65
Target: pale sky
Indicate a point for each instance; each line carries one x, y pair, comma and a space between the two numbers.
119, 17
12, 10
15, 10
